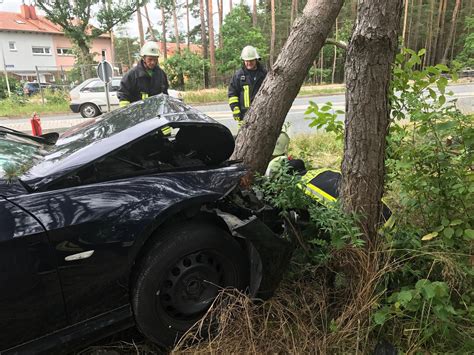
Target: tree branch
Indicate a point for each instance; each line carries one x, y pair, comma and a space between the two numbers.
338, 44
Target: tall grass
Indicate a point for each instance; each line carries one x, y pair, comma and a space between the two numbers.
318, 150
18, 106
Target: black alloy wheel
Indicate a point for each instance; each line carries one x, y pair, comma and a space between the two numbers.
180, 277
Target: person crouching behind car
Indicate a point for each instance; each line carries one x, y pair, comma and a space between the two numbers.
145, 79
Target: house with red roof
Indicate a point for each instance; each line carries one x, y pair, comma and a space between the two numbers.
30, 44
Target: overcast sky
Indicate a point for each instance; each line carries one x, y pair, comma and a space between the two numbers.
132, 27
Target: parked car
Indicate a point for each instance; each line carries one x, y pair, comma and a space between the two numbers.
31, 88
466, 73
89, 98
117, 223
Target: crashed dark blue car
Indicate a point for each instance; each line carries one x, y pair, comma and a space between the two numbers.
133, 218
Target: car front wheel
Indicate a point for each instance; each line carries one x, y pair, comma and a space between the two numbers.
180, 277
89, 110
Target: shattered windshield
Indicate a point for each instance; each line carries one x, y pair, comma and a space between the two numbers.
18, 154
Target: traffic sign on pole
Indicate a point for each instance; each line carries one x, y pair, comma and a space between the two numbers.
105, 71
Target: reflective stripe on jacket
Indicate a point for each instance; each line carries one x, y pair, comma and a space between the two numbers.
242, 89
138, 85
323, 186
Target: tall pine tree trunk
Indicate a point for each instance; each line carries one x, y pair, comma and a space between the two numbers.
457, 6
220, 7
368, 68
441, 44
429, 37
205, 53
150, 26
334, 61
264, 120
272, 38
405, 17
188, 29
418, 24
434, 46
178, 43
176, 30
410, 25
254, 13
140, 27
212, 46
163, 31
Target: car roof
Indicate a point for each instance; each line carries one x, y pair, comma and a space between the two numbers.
105, 134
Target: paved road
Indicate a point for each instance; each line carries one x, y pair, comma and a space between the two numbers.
221, 112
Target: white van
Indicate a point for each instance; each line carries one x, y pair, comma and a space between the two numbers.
89, 99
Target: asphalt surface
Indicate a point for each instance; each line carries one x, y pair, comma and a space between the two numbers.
221, 112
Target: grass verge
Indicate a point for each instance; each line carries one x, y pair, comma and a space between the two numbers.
15, 107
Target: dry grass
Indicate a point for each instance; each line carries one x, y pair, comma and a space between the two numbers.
318, 150
313, 313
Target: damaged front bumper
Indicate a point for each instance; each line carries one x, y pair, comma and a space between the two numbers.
266, 237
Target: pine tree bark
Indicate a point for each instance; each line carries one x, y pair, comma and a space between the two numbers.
418, 24
410, 25
440, 43
163, 31
434, 46
176, 31
254, 13
457, 6
220, 8
264, 120
140, 27
334, 59
371, 52
188, 28
405, 17
212, 46
429, 37
272, 38
204, 40
150, 26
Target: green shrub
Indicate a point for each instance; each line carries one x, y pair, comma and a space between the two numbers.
428, 296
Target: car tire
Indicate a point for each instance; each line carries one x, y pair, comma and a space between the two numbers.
89, 110
176, 281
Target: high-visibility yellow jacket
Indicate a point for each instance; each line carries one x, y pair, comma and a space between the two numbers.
242, 89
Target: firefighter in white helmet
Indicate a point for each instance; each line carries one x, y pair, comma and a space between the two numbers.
145, 79
245, 83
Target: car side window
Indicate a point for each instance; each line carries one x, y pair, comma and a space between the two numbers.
94, 86
115, 85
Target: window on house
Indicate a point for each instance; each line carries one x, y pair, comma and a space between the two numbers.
12, 46
41, 50
64, 51
104, 52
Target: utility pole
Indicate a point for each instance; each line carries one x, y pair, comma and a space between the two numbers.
5, 70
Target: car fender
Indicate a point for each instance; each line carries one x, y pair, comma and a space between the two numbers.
177, 213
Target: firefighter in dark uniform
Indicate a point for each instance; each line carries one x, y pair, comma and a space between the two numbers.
145, 80
245, 83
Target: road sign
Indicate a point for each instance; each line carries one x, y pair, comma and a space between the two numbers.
105, 71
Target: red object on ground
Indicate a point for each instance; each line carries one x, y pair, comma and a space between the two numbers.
36, 129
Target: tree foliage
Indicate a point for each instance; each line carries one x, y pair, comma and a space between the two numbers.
466, 56
189, 65
126, 50
238, 32
75, 19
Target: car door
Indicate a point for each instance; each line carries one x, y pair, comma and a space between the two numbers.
31, 302
94, 92
114, 87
